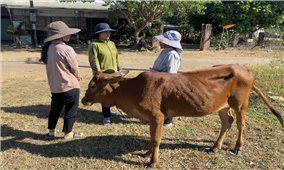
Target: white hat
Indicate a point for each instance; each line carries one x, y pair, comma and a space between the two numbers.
59, 29
171, 38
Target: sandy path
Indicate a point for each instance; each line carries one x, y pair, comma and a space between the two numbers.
26, 60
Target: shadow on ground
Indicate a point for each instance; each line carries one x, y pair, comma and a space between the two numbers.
100, 147
84, 116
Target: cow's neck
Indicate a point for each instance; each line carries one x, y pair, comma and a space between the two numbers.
121, 92
112, 96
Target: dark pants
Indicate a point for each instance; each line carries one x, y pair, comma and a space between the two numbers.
106, 111
168, 120
70, 100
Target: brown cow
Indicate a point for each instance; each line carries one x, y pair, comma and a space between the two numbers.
152, 96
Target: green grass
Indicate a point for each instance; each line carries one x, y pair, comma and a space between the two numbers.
271, 77
24, 112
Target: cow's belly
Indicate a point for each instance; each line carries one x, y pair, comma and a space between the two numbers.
174, 113
133, 112
195, 112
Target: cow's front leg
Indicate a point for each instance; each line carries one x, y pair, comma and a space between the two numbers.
156, 128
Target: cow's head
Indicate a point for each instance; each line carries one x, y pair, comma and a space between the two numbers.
99, 89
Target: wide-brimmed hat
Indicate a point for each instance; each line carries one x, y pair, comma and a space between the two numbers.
58, 29
102, 27
171, 38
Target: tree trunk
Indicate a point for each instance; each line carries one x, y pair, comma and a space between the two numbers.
235, 39
260, 40
136, 40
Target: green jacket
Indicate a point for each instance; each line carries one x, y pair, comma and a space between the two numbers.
103, 56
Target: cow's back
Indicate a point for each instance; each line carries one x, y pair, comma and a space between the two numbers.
194, 93
209, 89
201, 92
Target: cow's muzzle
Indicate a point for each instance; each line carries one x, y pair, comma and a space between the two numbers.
85, 102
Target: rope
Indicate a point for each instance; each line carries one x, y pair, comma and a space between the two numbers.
122, 114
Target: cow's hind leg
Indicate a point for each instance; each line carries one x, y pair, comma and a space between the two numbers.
241, 116
156, 128
226, 123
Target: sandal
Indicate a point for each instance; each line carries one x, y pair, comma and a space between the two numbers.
75, 136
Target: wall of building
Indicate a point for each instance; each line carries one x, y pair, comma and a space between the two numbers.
83, 19
5, 22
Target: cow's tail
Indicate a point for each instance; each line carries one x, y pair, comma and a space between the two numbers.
267, 102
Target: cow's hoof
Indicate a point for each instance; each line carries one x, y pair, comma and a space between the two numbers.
150, 166
237, 152
147, 154
211, 150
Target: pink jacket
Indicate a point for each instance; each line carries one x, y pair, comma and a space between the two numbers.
62, 67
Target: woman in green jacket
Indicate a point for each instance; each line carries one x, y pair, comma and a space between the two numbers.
103, 56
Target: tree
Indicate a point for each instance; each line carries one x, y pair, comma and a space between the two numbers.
182, 16
139, 14
247, 15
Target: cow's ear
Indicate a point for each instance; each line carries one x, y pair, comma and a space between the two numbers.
116, 77
123, 73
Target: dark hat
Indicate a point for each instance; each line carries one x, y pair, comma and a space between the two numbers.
59, 29
102, 27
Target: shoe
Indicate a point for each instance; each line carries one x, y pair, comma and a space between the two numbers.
113, 114
168, 125
75, 136
106, 122
49, 137
168, 122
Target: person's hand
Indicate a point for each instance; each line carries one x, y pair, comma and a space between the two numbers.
79, 78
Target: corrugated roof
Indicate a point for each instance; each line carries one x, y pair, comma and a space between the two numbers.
97, 5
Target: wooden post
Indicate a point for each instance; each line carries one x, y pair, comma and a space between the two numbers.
33, 22
235, 39
260, 40
205, 36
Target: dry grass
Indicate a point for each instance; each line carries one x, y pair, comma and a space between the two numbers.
25, 106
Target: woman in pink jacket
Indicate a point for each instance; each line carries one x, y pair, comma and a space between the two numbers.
63, 78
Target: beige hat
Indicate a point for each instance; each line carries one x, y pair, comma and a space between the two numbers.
58, 29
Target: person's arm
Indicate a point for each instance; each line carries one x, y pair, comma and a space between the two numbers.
116, 57
93, 58
71, 58
173, 63
118, 66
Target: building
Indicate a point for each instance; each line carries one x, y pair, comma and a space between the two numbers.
36, 14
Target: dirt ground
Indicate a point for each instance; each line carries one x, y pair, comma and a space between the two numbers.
27, 59
25, 104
